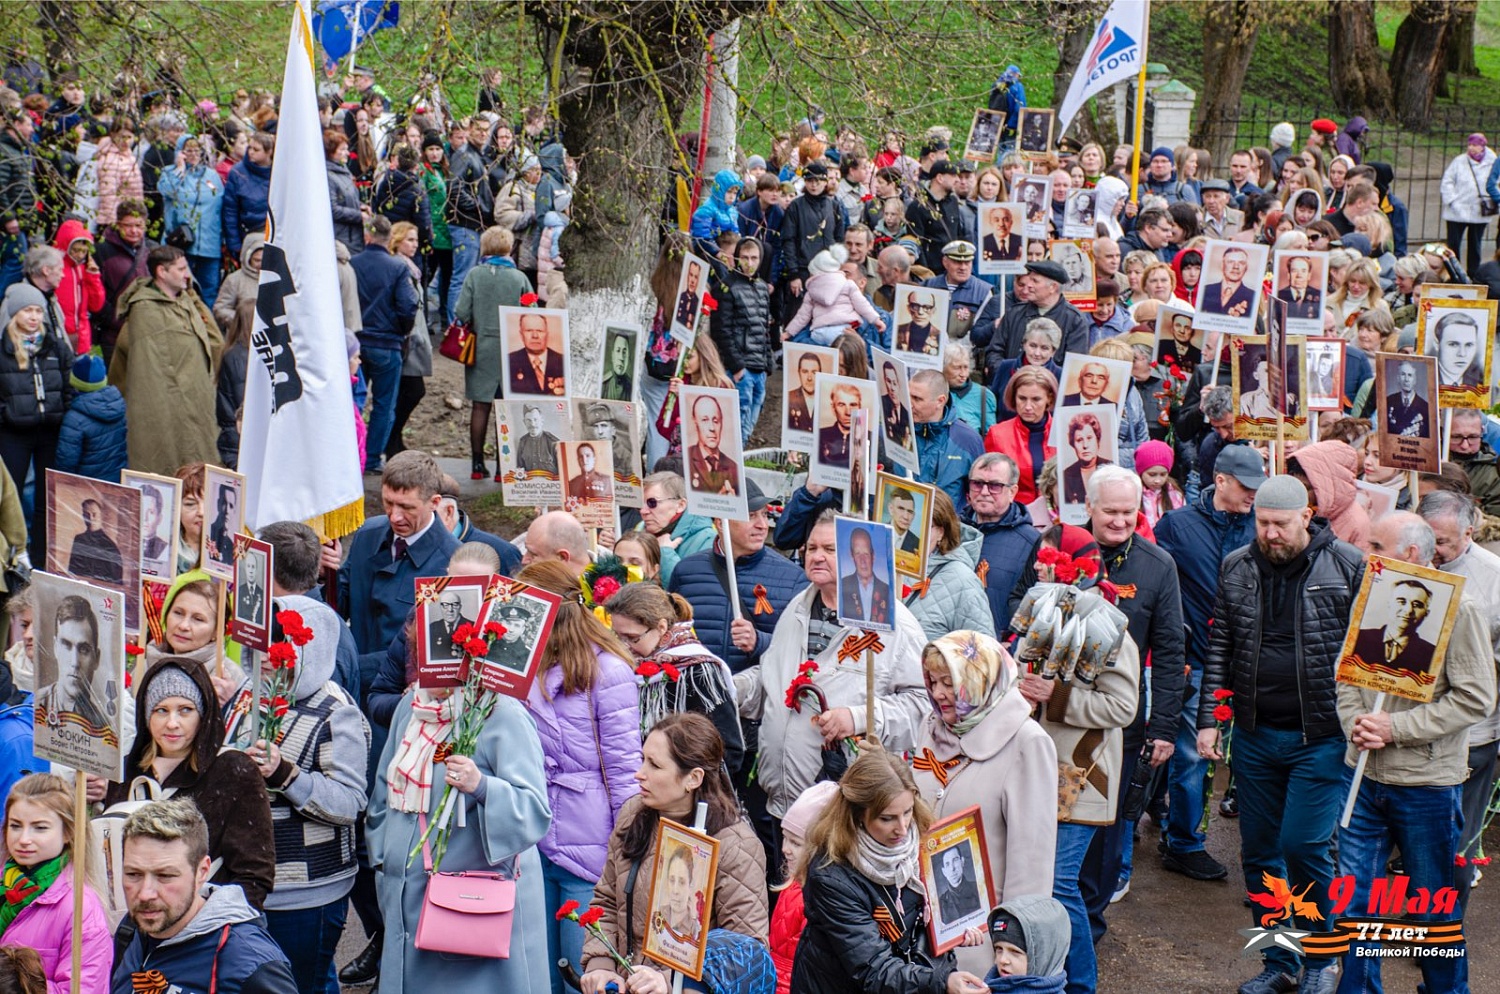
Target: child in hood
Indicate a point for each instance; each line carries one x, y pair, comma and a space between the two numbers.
82, 289
1030, 936
91, 440
831, 302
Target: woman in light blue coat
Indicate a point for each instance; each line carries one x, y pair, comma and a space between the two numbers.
192, 197
954, 598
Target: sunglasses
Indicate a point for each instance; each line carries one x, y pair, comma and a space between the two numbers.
654, 502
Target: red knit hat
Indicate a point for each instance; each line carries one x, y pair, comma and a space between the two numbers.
1325, 126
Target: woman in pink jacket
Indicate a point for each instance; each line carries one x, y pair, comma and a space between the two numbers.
831, 302
119, 172
36, 907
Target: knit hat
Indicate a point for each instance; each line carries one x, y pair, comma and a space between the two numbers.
1006, 927
172, 681
1407, 339
1324, 126
755, 162
431, 139
89, 373
1163, 153
1153, 454
829, 260
20, 296
1281, 493
807, 807
1283, 134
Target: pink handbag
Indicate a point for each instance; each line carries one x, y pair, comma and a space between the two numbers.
467, 914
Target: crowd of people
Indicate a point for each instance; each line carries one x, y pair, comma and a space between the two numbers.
1208, 569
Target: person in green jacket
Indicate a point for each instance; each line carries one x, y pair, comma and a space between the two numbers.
434, 174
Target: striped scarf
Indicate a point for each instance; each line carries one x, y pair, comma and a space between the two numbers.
21, 886
409, 777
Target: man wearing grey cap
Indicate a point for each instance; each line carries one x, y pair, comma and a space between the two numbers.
1280, 617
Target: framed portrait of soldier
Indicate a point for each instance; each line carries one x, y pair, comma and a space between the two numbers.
446, 607
1034, 194
1305, 207
617, 424
254, 568
896, 426
680, 895
1300, 280
857, 494
224, 500
838, 397
1177, 341
161, 521
589, 482
1076, 256
906, 506
1090, 439
867, 590
1265, 391
955, 867
79, 639
712, 456
921, 326
1398, 633
1034, 131
94, 535
1325, 374
1405, 411
622, 353
1079, 214
1376, 499
687, 306
1459, 334
1230, 289
984, 135
1452, 291
1002, 239
535, 360
799, 405
525, 615
526, 437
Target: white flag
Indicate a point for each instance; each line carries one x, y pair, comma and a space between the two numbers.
1115, 53
297, 444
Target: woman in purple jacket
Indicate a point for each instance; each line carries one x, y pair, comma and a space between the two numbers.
584, 696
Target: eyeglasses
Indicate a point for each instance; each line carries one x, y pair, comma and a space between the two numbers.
632, 639
914, 306
1469, 439
1315, 236
996, 485
655, 502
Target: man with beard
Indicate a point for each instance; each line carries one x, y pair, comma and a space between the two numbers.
1283, 608
94, 555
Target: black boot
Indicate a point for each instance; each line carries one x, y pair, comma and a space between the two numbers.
364, 968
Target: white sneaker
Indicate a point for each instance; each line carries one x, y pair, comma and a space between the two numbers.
1478, 876
1121, 890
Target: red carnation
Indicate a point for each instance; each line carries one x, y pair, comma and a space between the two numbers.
1223, 712
131, 649
282, 654
1459, 860
566, 911
495, 630
1223, 694
809, 666
529, 299
476, 647
299, 634
672, 672
648, 669
604, 588
591, 917
709, 303
463, 632
289, 619
279, 706
1065, 572
1087, 567
867, 198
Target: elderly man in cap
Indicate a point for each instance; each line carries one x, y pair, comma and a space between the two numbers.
967, 293
1280, 617
599, 423
1040, 293
934, 214
1216, 195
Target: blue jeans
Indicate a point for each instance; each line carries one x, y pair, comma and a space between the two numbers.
564, 939
1185, 777
309, 937
1290, 794
465, 256
752, 388
653, 396
383, 371
1425, 822
1072, 845
206, 274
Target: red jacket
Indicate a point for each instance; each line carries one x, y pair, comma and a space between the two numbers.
81, 290
786, 928
1011, 438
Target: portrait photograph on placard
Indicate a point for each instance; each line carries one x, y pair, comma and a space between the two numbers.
857, 494
589, 482
1177, 339
614, 422
955, 869
906, 506
984, 135
1230, 288
1034, 194
1376, 499
224, 518
1002, 242
1398, 633
1304, 207
1300, 280
1034, 131
1406, 405
535, 360
712, 455
526, 437
895, 408
94, 535
801, 365
680, 896
445, 606
1077, 259
1262, 389
838, 397
687, 312
1079, 214
1325, 374
621, 361
161, 521
526, 613
1090, 439
1453, 291
1459, 334
79, 644
1090, 379
866, 586
254, 568
921, 326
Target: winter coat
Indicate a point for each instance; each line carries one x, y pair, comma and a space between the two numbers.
975, 405
831, 300
1347, 141
587, 785
164, 363
400, 196
787, 924
1152, 605
1462, 184
1003, 555
945, 450
487, 288
241, 284
1007, 767
716, 215
741, 324
46, 925
554, 180
229, 394
696, 578
81, 291
696, 533
1133, 432
810, 225
343, 201
243, 960
17, 734
247, 195
1085, 722
227, 788
17, 180
470, 202
92, 440
119, 179
46, 376
1328, 584
195, 199
515, 208
387, 303
956, 600
791, 748
1000, 337
119, 266
935, 223
739, 891
1331, 468
1044, 922
436, 186
1012, 438
970, 295
1198, 538
763, 224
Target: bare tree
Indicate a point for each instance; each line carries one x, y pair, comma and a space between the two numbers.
1356, 70
1421, 55
1230, 28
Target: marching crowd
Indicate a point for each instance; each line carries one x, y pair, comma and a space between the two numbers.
1206, 577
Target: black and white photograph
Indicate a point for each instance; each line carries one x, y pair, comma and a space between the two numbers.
1325, 374
79, 639
1090, 439
1452, 291
1079, 214
712, 455
254, 566
526, 613
1300, 280
1402, 619
621, 361
535, 359
1035, 130
445, 604
1459, 334
867, 589
895, 408
955, 870
1265, 392
224, 518
527, 433
921, 326
161, 520
1230, 288
1002, 242
1177, 341
1034, 194
984, 135
1406, 408
94, 535
838, 397
614, 422
687, 313
799, 403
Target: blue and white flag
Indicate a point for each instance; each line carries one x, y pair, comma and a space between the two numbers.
1115, 53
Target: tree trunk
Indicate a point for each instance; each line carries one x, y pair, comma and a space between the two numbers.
1419, 57
1230, 28
1078, 30
1360, 83
1461, 42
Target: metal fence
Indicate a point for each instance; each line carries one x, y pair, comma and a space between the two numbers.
1418, 157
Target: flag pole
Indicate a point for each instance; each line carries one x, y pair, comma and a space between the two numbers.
1140, 112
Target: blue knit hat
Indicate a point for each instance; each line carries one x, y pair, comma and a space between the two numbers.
89, 373
1164, 153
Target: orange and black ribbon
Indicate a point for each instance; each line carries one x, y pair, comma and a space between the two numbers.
937, 767
1347, 931
983, 572
920, 589
856, 644
890, 930
762, 605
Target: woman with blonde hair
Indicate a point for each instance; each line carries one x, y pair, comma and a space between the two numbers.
1159, 282
1092, 161
493, 283
642, 550
1406, 279
1359, 292
417, 366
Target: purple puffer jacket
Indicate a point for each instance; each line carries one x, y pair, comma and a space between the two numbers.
47, 926
583, 811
